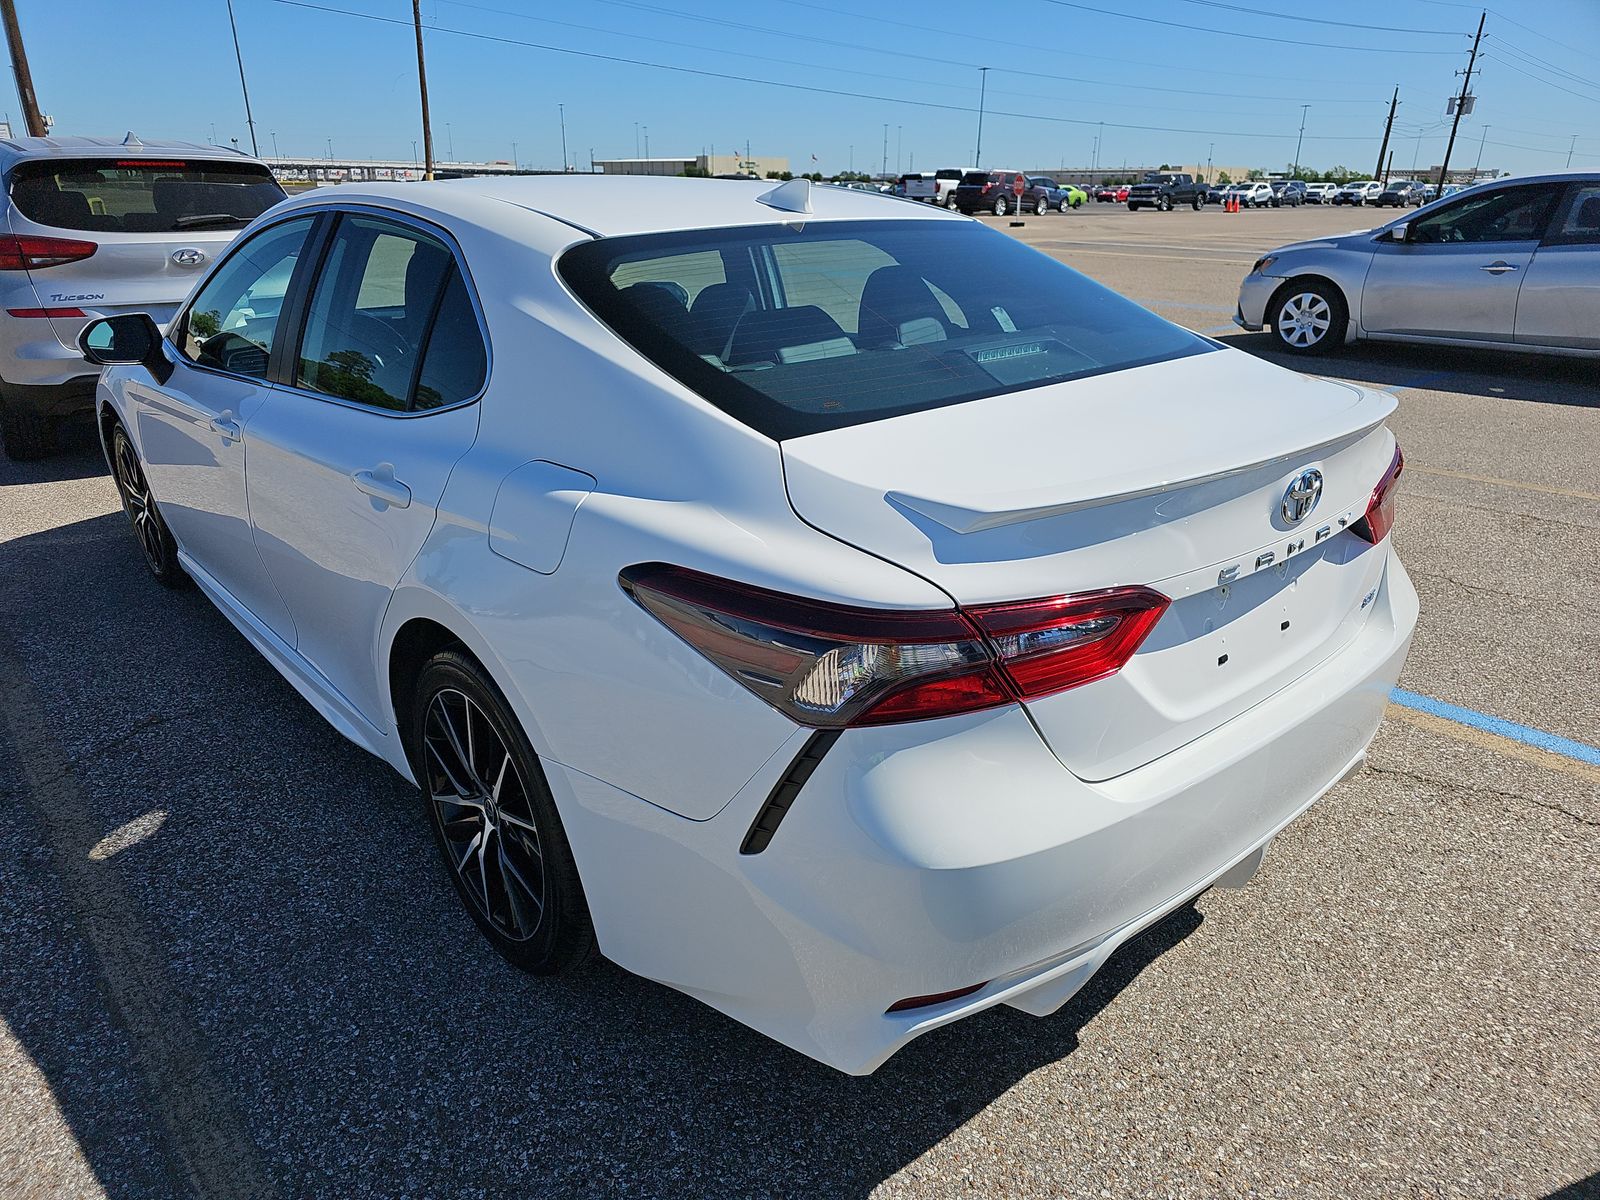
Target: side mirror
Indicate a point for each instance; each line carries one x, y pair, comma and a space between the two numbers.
129, 338
1400, 233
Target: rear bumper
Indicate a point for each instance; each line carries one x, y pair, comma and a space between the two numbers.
52, 399
921, 859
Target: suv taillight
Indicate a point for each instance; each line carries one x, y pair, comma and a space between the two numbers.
831, 666
1378, 520
25, 252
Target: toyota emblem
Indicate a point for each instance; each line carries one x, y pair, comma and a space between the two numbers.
1301, 496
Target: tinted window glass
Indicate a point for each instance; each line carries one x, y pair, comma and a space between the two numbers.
370, 312
832, 324
454, 363
1581, 222
142, 196
231, 321
1516, 214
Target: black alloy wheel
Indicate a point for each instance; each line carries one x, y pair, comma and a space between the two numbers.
154, 538
495, 821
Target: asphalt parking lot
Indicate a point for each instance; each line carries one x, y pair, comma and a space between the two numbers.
229, 965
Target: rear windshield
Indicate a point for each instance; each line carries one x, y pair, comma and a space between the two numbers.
798, 329
975, 178
141, 195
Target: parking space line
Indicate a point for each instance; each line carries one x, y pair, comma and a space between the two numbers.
1496, 733
1507, 483
1162, 257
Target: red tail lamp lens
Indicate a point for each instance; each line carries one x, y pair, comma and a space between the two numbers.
1375, 525
24, 252
832, 666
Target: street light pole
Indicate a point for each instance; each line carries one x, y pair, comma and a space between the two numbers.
983, 91
243, 87
1482, 137
646, 129
513, 156
899, 144
1571, 148
562, 110
1295, 171
886, 147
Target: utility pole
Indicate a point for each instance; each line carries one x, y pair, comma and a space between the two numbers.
899, 145
983, 91
1482, 137
243, 87
885, 147
1571, 148
1388, 170
562, 109
1461, 101
31, 117
1388, 126
422, 84
1294, 172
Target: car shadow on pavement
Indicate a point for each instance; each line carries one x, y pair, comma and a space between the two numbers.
78, 458
1543, 379
226, 945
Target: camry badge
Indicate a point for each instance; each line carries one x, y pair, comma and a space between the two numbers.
189, 256
1301, 496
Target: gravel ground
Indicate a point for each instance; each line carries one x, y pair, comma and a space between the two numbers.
263, 986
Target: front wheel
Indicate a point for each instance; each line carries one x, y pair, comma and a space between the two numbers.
1066, 204
1197, 203
154, 538
494, 819
1308, 317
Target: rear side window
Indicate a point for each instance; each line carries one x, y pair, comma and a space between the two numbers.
830, 324
141, 196
390, 323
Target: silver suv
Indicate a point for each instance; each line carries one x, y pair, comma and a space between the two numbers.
94, 227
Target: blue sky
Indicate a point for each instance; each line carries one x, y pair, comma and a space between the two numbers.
1168, 87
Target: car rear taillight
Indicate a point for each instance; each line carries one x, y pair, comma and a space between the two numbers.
832, 666
46, 312
25, 252
1378, 520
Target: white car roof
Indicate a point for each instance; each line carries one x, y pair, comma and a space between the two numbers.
19, 148
619, 205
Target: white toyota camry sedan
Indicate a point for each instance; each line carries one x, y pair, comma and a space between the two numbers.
824, 605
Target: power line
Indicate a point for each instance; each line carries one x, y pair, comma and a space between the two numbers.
945, 62
1133, 62
1254, 37
1534, 60
1506, 62
800, 87
1256, 12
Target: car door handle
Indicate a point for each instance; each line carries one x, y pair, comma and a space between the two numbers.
380, 484
223, 423
1498, 268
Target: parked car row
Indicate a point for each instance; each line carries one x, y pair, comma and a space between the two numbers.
1004, 192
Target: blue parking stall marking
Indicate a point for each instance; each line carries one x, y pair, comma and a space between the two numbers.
1554, 743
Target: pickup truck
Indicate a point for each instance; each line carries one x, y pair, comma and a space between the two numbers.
1165, 189
916, 187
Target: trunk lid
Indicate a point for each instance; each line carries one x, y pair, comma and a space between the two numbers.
1168, 475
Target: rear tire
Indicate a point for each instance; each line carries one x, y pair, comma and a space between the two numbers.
494, 819
29, 435
1308, 316
950, 201
1000, 208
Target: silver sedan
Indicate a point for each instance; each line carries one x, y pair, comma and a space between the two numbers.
1513, 265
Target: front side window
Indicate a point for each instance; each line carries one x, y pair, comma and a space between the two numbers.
830, 324
1515, 214
141, 195
232, 320
385, 290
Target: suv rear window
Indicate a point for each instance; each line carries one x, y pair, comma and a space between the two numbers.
975, 178
141, 195
830, 324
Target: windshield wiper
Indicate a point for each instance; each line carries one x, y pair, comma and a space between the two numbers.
201, 220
